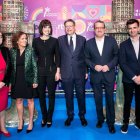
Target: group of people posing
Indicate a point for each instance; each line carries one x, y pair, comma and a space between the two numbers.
69, 58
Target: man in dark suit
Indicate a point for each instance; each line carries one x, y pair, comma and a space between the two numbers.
129, 59
73, 70
102, 57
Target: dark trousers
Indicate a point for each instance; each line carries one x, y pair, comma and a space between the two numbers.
79, 85
48, 81
109, 98
128, 96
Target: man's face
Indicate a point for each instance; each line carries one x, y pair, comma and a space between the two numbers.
99, 29
133, 29
69, 28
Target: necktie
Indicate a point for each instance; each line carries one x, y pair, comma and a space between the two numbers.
71, 44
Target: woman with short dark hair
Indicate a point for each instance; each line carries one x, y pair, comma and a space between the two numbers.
47, 52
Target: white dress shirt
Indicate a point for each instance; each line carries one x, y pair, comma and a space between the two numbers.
100, 44
73, 39
136, 46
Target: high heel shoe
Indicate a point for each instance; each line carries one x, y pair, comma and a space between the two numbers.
49, 124
5, 134
30, 130
19, 130
43, 123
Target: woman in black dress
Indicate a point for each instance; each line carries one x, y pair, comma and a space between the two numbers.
47, 52
23, 77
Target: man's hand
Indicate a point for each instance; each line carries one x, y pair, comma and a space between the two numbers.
105, 68
137, 80
98, 68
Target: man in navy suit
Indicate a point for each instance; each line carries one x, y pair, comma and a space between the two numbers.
129, 59
73, 70
102, 57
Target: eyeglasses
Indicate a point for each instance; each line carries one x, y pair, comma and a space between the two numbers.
69, 26
101, 28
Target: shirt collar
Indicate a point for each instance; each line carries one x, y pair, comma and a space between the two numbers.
135, 40
73, 36
102, 39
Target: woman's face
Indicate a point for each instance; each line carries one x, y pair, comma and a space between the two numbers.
1, 38
22, 41
46, 30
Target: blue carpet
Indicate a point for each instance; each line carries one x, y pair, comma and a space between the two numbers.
75, 132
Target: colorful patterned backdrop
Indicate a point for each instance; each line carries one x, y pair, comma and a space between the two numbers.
84, 12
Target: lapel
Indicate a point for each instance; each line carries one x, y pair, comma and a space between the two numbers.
132, 49
139, 51
4, 53
105, 46
27, 56
14, 56
77, 44
67, 44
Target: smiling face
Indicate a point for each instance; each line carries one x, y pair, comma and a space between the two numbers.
133, 30
22, 41
99, 29
46, 30
70, 28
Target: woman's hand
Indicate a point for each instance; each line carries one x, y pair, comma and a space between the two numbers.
35, 85
2, 84
57, 76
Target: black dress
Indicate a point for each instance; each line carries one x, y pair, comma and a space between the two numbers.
20, 89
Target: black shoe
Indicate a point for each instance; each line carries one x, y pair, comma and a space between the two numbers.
124, 128
111, 129
19, 130
49, 124
30, 130
99, 124
83, 121
43, 123
68, 121
137, 125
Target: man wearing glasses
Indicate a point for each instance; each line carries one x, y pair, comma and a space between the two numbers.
102, 57
73, 70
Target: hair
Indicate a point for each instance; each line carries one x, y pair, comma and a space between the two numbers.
3, 38
69, 20
132, 21
16, 37
43, 24
99, 21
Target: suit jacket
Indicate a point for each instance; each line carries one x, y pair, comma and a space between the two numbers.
109, 57
72, 63
30, 66
46, 51
129, 63
6, 56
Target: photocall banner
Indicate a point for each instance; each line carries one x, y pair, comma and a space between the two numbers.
84, 12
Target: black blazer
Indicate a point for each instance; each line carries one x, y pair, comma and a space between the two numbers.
72, 63
109, 57
6, 55
129, 63
48, 57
